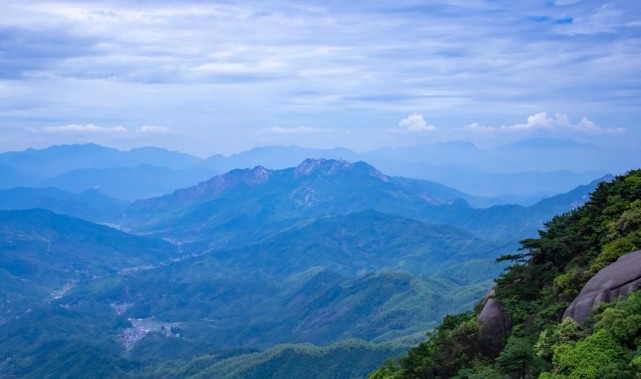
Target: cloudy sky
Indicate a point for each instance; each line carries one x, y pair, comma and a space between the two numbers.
223, 76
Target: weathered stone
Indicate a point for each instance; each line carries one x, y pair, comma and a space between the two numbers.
495, 324
613, 281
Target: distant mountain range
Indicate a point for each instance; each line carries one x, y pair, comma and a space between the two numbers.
233, 206
128, 175
525, 171
56, 160
522, 173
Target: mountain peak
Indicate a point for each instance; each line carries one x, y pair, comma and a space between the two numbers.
321, 167
249, 176
331, 167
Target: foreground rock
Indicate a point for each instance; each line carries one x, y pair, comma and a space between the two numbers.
495, 325
613, 281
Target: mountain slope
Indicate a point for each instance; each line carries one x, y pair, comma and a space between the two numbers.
257, 197
129, 183
513, 222
349, 244
314, 282
347, 359
44, 254
281, 290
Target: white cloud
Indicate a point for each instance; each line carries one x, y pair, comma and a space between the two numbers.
475, 126
93, 129
414, 123
154, 129
297, 130
80, 129
542, 122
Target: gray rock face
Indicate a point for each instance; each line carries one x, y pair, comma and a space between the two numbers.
495, 324
613, 281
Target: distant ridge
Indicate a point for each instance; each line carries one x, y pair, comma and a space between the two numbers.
244, 200
58, 159
89, 205
314, 187
523, 172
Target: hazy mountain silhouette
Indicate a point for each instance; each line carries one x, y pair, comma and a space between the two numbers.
89, 205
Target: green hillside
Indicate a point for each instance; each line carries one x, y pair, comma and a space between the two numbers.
365, 275
347, 359
350, 244
317, 306
544, 277
44, 255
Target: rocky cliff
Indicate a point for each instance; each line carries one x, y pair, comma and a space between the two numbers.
613, 281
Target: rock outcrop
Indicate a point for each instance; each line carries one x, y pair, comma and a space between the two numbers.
495, 325
613, 281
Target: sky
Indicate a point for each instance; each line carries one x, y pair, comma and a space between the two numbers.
219, 77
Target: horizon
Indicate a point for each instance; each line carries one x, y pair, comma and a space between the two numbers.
295, 146
450, 159
196, 77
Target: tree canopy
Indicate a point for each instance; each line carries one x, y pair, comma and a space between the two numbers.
541, 281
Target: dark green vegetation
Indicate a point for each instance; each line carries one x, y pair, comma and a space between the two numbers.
543, 279
347, 359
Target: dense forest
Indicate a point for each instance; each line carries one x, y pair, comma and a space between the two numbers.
543, 278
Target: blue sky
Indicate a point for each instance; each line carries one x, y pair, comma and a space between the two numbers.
211, 77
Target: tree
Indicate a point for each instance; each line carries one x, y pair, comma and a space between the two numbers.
517, 358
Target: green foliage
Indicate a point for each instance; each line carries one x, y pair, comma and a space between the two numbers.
568, 331
73, 359
517, 358
451, 346
609, 348
387, 371
347, 359
537, 287
478, 371
622, 320
597, 356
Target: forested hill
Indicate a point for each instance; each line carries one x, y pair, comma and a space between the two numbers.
535, 290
